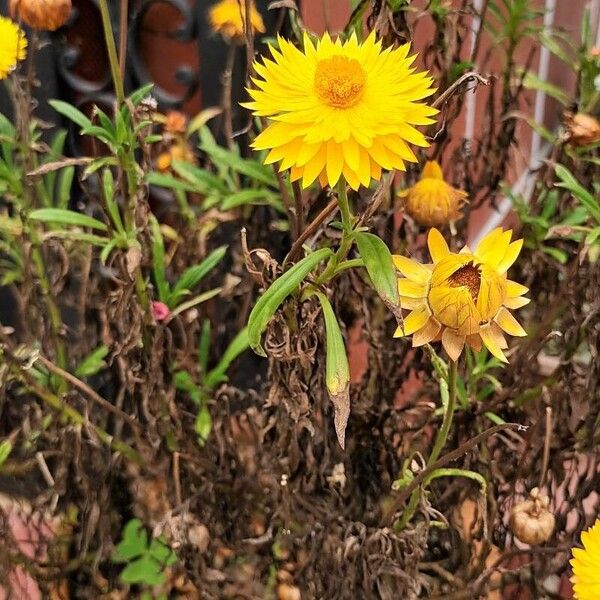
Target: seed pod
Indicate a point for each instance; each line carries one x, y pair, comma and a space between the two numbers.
582, 129
530, 521
44, 15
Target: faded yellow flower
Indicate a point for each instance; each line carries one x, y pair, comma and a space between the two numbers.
586, 565
340, 109
227, 17
432, 201
462, 298
13, 46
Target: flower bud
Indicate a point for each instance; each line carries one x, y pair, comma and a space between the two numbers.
530, 521
44, 15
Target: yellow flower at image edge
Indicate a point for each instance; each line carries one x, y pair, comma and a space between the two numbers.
462, 298
13, 45
586, 565
227, 18
432, 201
340, 109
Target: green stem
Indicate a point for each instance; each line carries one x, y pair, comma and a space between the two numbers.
440, 442
111, 49
346, 243
442, 436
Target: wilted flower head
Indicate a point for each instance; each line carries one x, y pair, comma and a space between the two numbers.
531, 520
462, 298
44, 15
340, 109
582, 129
586, 565
432, 201
13, 46
176, 122
227, 17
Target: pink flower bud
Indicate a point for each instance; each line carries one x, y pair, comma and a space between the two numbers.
160, 311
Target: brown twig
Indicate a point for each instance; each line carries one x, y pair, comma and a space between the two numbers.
547, 441
449, 92
123, 31
403, 496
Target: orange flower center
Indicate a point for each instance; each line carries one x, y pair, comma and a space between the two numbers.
340, 81
468, 276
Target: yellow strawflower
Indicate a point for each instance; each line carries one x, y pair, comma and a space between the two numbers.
227, 18
340, 109
432, 201
13, 45
586, 565
462, 298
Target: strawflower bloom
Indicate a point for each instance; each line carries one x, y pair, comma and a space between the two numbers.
432, 201
228, 16
13, 46
44, 15
586, 565
462, 298
340, 109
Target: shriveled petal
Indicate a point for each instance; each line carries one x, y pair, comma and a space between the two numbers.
453, 343
432, 170
412, 269
509, 323
438, 248
475, 342
494, 340
426, 334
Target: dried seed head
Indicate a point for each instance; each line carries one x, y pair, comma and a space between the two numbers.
582, 129
44, 15
530, 521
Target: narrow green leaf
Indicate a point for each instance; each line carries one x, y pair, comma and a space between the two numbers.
5, 450
533, 82
270, 301
66, 217
570, 183
337, 370
380, 266
239, 344
203, 425
158, 261
92, 363
204, 346
191, 277
69, 111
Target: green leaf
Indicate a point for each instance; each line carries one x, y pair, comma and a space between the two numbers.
144, 570
280, 289
134, 542
380, 266
203, 180
158, 261
169, 182
238, 345
248, 197
533, 82
137, 96
570, 183
66, 217
69, 111
191, 277
337, 370
5, 450
161, 552
183, 382
92, 363
204, 345
203, 425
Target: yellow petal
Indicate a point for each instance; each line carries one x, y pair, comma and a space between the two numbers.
432, 170
407, 303
412, 269
514, 289
493, 246
510, 256
493, 342
514, 303
453, 343
412, 289
426, 334
438, 248
414, 321
509, 323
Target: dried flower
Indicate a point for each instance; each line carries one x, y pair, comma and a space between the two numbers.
432, 201
227, 18
176, 122
44, 15
13, 46
462, 298
530, 521
340, 109
586, 565
582, 129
